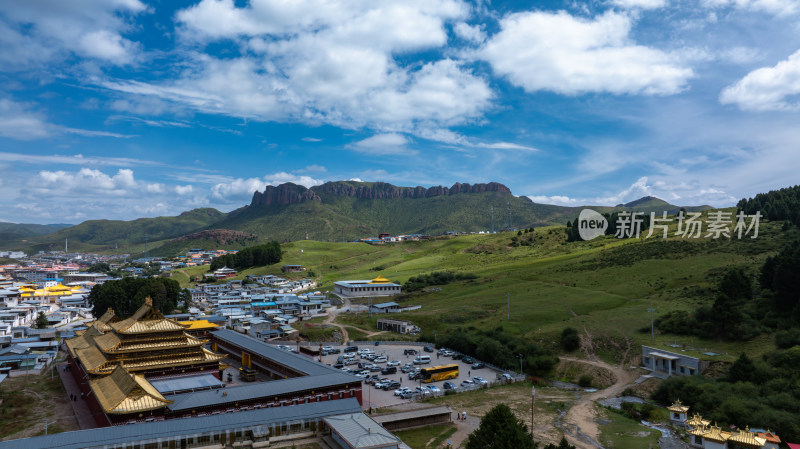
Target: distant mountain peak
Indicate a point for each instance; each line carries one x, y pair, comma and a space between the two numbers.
648, 200
289, 193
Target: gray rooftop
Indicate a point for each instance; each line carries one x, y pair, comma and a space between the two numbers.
359, 431
232, 395
93, 438
201, 382
292, 361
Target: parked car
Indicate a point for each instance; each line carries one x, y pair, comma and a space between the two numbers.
327, 349
351, 349
410, 352
413, 374
449, 386
505, 377
468, 360
389, 370
391, 385
407, 368
380, 359
401, 390
467, 382
407, 394
422, 360
351, 361
393, 363
427, 348
433, 388
375, 368
480, 380
381, 383
335, 351
338, 365
478, 365
458, 356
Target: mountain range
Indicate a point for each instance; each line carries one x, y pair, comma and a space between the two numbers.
334, 211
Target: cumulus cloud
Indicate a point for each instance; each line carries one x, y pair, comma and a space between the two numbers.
242, 189
559, 200
18, 122
86, 180
774, 7
89, 28
471, 33
571, 55
316, 61
768, 88
639, 4
383, 144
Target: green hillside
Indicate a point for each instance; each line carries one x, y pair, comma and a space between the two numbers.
604, 286
126, 236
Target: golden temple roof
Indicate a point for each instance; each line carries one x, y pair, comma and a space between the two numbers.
380, 280
83, 340
678, 407
122, 392
146, 320
198, 325
698, 421
92, 358
717, 435
747, 438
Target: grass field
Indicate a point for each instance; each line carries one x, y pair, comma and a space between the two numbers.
625, 433
428, 436
604, 286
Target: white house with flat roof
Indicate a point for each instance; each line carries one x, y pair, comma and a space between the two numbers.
380, 286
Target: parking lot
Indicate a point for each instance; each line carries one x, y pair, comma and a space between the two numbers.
394, 355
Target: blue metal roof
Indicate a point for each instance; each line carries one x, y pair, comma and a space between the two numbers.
151, 432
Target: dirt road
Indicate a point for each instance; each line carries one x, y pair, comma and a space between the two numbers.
579, 422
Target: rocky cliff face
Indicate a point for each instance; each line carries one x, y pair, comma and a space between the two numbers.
282, 195
291, 193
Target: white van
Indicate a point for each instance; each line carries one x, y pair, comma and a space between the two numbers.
422, 360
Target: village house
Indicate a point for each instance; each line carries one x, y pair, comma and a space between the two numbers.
380, 286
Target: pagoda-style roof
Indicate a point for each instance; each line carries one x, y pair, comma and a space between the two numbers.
678, 407
770, 437
82, 341
716, 435
112, 343
122, 392
154, 362
380, 280
747, 438
698, 421
146, 320
198, 325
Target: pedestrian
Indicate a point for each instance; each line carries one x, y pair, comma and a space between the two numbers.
465, 416
469, 373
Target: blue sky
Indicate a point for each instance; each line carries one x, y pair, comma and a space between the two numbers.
122, 109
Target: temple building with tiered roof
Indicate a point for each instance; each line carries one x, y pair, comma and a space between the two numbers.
706, 436
113, 359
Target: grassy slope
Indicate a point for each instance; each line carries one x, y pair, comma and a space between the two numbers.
604, 286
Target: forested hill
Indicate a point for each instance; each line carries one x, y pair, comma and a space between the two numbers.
783, 204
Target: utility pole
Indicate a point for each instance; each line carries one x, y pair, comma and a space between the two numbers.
492, 219
533, 402
652, 328
46, 424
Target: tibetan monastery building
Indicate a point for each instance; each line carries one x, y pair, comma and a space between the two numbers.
380, 286
149, 368
703, 435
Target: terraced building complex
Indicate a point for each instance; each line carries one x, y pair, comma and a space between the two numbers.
113, 359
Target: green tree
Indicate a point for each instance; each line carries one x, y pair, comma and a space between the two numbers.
570, 340
500, 429
564, 444
126, 295
41, 321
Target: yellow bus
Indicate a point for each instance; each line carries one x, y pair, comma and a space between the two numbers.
437, 373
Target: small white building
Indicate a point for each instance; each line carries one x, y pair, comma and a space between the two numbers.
380, 286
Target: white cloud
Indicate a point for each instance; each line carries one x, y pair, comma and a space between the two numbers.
90, 28
639, 4
571, 55
505, 146
331, 62
86, 180
242, 189
311, 139
560, 200
767, 88
471, 33
184, 190
774, 7
17, 122
78, 159
314, 168
383, 144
